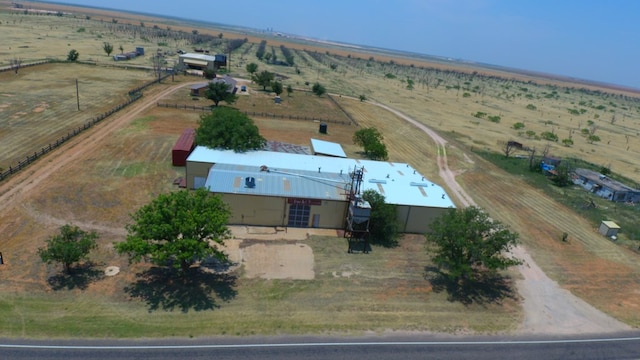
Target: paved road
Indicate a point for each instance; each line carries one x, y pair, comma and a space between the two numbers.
624, 346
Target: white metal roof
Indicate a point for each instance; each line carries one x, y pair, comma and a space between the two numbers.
400, 183
322, 147
610, 224
194, 56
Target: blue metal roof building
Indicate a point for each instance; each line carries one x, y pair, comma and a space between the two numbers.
293, 180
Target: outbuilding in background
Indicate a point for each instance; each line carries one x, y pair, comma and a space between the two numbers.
608, 228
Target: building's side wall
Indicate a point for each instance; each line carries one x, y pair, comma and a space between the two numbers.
274, 211
256, 210
416, 219
332, 214
196, 170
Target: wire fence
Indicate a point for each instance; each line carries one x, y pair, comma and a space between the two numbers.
256, 114
353, 121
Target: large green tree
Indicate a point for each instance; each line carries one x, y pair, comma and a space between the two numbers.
371, 141
69, 246
263, 78
228, 128
178, 229
220, 91
468, 243
383, 222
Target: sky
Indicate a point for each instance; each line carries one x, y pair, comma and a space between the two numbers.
586, 39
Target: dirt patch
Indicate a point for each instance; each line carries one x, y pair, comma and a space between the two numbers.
40, 108
278, 261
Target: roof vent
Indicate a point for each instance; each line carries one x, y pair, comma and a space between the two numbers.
250, 182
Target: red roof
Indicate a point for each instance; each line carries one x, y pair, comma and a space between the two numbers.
186, 140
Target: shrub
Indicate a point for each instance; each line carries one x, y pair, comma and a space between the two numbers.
549, 136
518, 126
593, 138
532, 107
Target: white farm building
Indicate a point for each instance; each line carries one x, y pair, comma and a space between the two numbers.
266, 188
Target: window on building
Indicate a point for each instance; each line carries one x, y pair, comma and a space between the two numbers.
299, 215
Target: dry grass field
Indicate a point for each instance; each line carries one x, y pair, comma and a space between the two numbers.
39, 104
382, 291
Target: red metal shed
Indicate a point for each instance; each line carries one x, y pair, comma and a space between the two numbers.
183, 147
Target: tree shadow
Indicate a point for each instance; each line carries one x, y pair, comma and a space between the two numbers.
485, 288
79, 277
166, 289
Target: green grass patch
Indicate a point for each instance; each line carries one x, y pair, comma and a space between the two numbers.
574, 197
141, 124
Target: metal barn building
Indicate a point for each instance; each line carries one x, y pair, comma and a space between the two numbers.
202, 61
197, 61
281, 189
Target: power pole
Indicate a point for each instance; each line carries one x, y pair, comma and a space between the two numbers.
77, 94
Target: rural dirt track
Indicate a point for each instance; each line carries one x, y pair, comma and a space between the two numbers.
548, 309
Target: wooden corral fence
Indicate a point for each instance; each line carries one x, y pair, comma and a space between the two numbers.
255, 113
33, 63
37, 154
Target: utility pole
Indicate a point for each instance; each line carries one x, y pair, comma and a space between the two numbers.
77, 94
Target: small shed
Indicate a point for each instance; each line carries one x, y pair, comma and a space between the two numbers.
608, 228
199, 89
326, 148
183, 147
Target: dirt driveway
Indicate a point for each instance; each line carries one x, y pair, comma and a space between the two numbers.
548, 309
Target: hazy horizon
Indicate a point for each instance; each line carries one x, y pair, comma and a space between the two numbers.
580, 39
